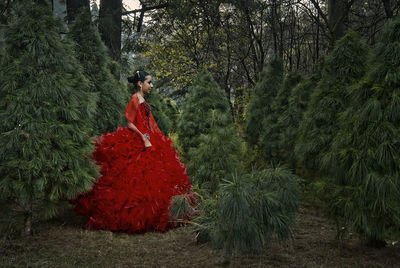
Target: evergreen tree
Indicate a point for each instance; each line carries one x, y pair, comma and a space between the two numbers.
92, 54
250, 210
172, 113
260, 105
204, 96
216, 155
343, 67
271, 142
364, 159
291, 117
44, 116
159, 108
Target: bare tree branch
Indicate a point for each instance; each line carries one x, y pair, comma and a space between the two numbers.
144, 9
316, 5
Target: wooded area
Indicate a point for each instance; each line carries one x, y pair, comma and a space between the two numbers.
274, 105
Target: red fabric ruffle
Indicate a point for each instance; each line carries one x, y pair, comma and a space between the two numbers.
136, 185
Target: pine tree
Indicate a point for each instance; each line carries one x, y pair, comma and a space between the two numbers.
204, 96
93, 55
343, 67
271, 142
172, 112
291, 117
364, 159
44, 116
260, 105
159, 108
217, 153
249, 210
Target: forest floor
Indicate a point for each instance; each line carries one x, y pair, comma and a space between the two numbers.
62, 242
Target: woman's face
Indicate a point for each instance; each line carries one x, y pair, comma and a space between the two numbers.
146, 85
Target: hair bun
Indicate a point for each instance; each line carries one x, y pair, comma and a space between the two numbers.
131, 79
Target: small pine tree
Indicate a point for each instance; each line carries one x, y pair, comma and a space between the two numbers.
92, 54
249, 210
260, 106
216, 155
44, 116
271, 142
363, 161
343, 67
204, 95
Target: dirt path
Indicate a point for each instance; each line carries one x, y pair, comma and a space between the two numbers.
62, 243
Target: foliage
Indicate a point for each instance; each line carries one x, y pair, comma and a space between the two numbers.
260, 105
93, 55
204, 96
182, 207
172, 113
291, 117
271, 142
217, 153
45, 111
363, 161
159, 109
250, 210
344, 66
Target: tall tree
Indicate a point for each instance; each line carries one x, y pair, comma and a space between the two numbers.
363, 161
271, 142
93, 56
45, 112
110, 26
260, 105
342, 68
74, 7
291, 117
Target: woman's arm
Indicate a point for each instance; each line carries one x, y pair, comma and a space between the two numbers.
145, 140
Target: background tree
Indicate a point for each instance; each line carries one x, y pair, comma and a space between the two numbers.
45, 111
94, 58
271, 142
110, 26
291, 117
344, 66
74, 7
217, 154
204, 96
160, 109
363, 163
260, 105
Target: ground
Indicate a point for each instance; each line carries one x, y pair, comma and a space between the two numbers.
63, 243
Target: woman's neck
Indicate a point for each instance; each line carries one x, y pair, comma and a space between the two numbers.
141, 93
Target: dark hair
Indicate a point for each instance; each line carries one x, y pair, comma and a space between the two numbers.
138, 76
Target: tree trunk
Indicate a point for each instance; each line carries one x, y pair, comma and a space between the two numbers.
28, 224
388, 9
110, 26
336, 17
74, 7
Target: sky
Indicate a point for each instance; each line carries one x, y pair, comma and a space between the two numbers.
131, 4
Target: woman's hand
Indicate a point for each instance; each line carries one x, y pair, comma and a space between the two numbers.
146, 141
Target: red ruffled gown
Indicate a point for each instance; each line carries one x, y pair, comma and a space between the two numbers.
136, 185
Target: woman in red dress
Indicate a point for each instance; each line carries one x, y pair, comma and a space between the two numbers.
140, 173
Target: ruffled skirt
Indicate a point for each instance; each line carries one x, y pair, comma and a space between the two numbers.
134, 191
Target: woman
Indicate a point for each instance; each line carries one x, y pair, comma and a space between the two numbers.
140, 171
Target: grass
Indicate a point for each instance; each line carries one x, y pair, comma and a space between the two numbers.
62, 243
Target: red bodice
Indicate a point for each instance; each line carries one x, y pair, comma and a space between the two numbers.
140, 115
